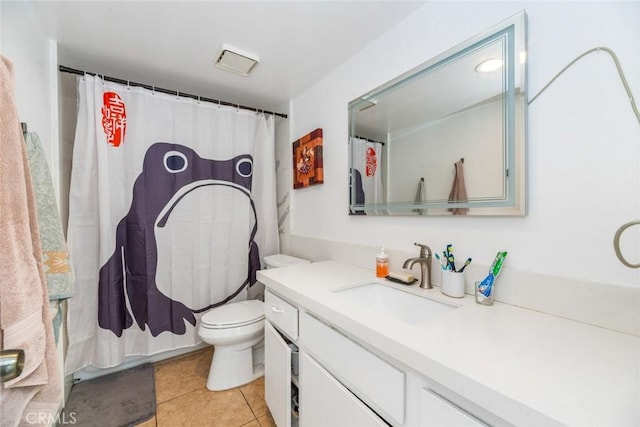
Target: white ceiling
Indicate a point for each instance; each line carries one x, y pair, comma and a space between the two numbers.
172, 44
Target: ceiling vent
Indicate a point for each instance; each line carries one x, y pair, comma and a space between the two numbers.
235, 60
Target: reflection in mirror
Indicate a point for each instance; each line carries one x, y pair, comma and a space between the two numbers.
447, 138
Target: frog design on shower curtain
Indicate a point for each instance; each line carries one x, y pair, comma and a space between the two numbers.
128, 278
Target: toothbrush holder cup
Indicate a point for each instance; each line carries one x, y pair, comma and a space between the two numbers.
453, 283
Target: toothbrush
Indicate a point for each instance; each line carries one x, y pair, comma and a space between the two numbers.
446, 258
452, 265
450, 257
444, 266
467, 262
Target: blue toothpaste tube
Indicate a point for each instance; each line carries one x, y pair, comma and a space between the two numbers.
486, 286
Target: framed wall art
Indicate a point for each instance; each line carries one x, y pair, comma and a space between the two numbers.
307, 160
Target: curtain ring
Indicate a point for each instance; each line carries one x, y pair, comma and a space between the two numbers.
153, 90
218, 104
177, 95
198, 99
616, 244
128, 86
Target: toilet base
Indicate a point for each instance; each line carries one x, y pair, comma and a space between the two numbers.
232, 368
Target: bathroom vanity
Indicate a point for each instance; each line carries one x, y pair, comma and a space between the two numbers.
375, 353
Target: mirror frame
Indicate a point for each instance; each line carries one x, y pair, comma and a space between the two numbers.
514, 31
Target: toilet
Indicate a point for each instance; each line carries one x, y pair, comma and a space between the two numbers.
236, 330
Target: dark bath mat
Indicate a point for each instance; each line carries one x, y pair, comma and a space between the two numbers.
124, 398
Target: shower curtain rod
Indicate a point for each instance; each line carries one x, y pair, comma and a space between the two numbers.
70, 70
368, 139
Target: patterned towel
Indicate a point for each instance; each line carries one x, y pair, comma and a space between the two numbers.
55, 258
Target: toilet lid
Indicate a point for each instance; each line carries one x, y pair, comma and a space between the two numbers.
234, 314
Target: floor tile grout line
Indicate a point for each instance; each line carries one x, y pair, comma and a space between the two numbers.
255, 417
168, 363
176, 397
249, 405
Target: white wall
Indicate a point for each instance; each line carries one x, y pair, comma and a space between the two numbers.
34, 59
583, 141
430, 152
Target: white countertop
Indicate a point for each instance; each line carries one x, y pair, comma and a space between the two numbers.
524, 366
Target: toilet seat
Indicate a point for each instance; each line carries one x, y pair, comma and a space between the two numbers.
233, 315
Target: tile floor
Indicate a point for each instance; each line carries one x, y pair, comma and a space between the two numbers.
182, 398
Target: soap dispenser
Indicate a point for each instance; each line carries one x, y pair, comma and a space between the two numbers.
382, 264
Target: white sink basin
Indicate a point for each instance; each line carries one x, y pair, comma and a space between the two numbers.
404, 306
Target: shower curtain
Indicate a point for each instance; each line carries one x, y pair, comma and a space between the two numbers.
172, 207
367, 157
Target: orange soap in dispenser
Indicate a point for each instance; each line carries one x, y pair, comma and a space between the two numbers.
382, 264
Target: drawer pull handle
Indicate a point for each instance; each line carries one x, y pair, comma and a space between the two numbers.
277, 309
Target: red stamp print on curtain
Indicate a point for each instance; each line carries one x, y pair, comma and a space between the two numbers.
114, 118
371, 162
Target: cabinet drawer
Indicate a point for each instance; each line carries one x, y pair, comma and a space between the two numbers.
376, 382
282, 314
435, 410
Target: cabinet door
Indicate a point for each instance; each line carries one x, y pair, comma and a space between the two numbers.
325, 402
375, 381
436, 411
277, 376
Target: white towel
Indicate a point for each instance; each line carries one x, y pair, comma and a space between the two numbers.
421, 196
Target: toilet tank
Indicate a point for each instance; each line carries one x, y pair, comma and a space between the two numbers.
281, 260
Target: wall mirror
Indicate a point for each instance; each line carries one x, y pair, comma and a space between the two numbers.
448, 137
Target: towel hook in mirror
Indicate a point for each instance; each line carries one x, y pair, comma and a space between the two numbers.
616, 244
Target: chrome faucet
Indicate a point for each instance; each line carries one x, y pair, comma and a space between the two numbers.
425, 264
